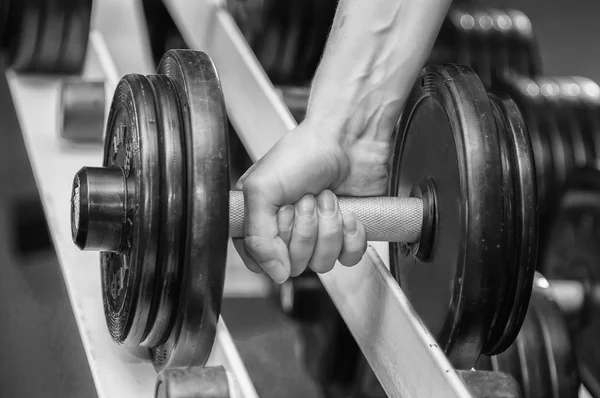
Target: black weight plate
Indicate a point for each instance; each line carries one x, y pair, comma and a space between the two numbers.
542, 359
269, 48
456, 32
526, 53
23, 44
294, 19
562, 153
520, 223
562, 131
128, 277
307, 45
324, 16
583, 145
499, 43
481, 51
75, 37
571, 252
443, 137
50, 36
172, 210
205, 145
526, 94
589, 97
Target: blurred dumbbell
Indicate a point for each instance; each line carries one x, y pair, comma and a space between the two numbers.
81, 110
48, 36
287, 36
571, 252
492, 41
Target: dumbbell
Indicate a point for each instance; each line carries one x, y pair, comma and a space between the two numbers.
462, 202
490, 40
48, 36
288, 37
570, 252
562, 116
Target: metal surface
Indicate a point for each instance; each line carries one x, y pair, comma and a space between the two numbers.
404, 356
117, 372
386, 219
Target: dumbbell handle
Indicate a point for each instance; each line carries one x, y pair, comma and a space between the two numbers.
386, 219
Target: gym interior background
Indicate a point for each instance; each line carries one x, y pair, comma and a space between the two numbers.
42, 354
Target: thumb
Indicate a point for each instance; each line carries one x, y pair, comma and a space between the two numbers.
262, 239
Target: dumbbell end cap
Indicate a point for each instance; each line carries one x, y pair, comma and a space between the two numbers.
98, 209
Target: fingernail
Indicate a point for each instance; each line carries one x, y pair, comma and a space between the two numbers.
350, 223
276, 271
306, 206
326, 203
286, 217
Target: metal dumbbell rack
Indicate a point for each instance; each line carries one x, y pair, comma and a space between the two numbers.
403, 355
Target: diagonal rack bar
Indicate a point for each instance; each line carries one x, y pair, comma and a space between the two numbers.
118, 45
402, 353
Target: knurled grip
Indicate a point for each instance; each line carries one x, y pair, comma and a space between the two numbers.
386, 219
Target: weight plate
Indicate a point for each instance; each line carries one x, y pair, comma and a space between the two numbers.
525, 92
526, 53
583, 144
294, 18
519, 226
571, 252
562, 154
206, 155
75, 37
442, 138
499, 43
271, 43
128, 275
541, 358
23, 45
456, 32
308, 41
172, 209
480, 45
589, 97
560, 131
50, 36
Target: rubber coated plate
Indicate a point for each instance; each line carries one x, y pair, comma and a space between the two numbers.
443, 137
583, 144
572, 252
589, 97
520, 223
75, 37
562, 132
527, 52
131, 144
499, 42
23, 45
294, 17
480, 45
50, 36
542, 359
172, 209
306, 42
527, 95
207, 168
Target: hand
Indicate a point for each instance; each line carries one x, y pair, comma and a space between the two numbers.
292, 215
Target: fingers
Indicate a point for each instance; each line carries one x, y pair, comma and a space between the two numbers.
330, 233
252, 265
285, 222
262, 240
355, 241
304, 235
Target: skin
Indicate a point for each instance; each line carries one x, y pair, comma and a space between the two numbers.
373, 56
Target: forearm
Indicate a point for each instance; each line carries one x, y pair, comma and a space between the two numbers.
375, 51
